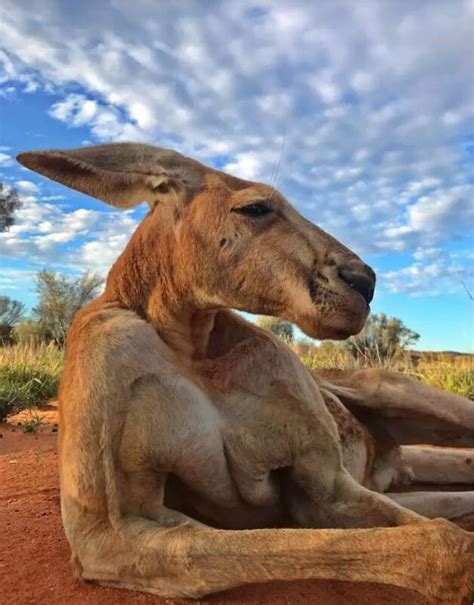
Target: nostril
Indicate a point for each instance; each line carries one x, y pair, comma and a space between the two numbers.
361, 282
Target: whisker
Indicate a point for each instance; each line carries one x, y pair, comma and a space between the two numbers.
283, 180
277, 166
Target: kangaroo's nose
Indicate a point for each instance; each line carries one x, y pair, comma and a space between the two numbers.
360, 277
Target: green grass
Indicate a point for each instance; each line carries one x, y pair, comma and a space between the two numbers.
29, 377
33, 423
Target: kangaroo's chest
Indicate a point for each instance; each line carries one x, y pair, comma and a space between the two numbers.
222, 449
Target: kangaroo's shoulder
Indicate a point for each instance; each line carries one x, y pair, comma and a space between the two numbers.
108, 326
110, 347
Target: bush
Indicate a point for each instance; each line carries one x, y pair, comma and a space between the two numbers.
9, 204
31, 332
279, 327
11, 312
6, 334
29, 377
382, 338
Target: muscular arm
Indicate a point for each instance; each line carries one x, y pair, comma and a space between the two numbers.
406, 409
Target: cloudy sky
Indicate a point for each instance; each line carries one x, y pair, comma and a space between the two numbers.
364, 110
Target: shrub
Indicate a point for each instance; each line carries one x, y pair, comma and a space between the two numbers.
280, 327
11, 312
29, 377
33, 423
382, 338
31, 332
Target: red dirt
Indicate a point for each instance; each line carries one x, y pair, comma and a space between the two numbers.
34, 554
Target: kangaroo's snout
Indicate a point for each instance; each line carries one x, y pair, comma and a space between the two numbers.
360, 277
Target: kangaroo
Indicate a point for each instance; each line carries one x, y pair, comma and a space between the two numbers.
197, 453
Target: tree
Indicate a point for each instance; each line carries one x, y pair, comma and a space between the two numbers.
11, 312
60, 298
382, 336
9, 204
280, 327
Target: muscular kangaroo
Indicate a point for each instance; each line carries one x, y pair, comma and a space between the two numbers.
197, 453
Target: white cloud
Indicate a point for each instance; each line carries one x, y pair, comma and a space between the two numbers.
443, 210
417, 187
11, 72
430, 274
5, 159
426, 253
327, 90
104, 121
342, 174
47, 235
15, 279
26, 187
110, 241
249, 165
75, 109
279, 104
362, 82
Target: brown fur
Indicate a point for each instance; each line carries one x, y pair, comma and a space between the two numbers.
173, 405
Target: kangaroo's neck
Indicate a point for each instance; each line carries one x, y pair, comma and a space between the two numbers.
147, 279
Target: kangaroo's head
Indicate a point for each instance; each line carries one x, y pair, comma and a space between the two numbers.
217, 241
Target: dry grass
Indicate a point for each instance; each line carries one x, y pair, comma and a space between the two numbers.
454, 373
449, 372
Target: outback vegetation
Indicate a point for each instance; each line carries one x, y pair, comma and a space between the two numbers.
9, 203
32, 351
29, 376
11, 312
59, 299
280, 327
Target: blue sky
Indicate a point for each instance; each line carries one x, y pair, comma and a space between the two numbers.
369, 104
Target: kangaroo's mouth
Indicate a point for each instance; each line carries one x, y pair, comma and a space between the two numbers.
362, 297
320, 289
340, 310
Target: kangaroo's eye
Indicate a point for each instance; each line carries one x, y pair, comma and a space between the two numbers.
257, 209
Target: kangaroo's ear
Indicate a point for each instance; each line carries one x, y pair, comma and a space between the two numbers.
121, 174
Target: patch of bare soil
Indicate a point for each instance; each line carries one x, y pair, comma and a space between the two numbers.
34, 554
14, 438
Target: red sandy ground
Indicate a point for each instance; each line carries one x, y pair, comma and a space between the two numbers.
34, 554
